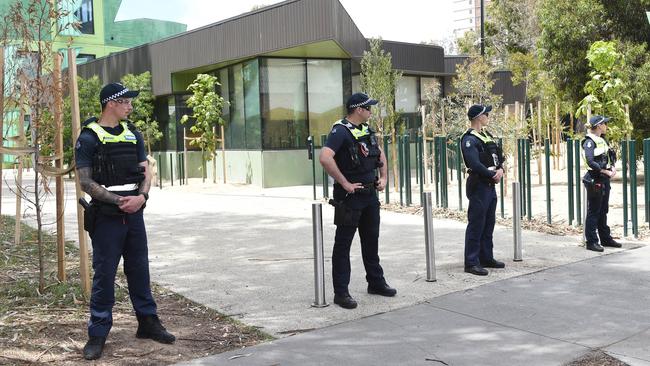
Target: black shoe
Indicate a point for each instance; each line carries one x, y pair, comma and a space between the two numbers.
383, 290
611, 243
94, 347
595, 247
149, 327
477, 270
345, 301
493, 263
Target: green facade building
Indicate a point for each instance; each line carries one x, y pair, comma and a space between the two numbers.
99, 35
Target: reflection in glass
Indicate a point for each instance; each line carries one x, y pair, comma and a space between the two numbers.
325, 95
285, 106
237, 123
250, 73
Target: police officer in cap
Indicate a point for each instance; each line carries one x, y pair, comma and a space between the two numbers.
351, 156
600, 159
483, 159
112, 168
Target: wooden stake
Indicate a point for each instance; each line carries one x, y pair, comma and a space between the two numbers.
627, 120
185, 155
2, 119
58, 151
223, 152
540, 141
19, 173
84, 272
214, 156
556, 146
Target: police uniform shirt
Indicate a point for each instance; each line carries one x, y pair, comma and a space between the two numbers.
340, 140
471, 146
88, 141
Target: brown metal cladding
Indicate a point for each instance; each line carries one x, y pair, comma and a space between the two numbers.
112, 68
285, 25
413, 58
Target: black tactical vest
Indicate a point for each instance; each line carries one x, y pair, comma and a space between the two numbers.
116, 161
490, 154
362, 157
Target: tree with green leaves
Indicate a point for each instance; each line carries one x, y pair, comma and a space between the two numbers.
606, 91
142, 115
512, 27
89, 106
29, 28
378, 80
207, 108
473, 82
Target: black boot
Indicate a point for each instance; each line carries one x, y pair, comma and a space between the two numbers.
94, 347
381, 289
345, 301
149, 327
595, 247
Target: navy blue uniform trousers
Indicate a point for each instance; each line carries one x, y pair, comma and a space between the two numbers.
597, 209
480, 221
369, 236
115, 237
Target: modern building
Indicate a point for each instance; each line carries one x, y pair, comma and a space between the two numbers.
285, 71
467, 15
98, 35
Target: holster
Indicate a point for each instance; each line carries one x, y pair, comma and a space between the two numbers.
90, 217
344, 215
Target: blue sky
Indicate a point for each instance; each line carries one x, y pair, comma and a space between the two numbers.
404, 20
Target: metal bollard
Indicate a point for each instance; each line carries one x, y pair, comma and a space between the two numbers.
428, 238
319, 260
584, 213
516, 220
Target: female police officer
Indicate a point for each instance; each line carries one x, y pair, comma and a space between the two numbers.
600, 161
483, 159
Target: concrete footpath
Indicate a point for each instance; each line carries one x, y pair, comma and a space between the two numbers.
247, 252
545, 318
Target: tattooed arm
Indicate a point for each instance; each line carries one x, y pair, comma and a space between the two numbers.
145, 185
95, 191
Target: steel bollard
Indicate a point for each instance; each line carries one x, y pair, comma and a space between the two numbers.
428, 238
584, 213
319, 260
516, 220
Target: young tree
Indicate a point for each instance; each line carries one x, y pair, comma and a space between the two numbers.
89, 106
606, 91
143, 107
30, 27
378, 80
207, 108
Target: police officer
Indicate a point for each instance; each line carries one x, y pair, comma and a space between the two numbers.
483, 159
112, 168
351, 156
600, 159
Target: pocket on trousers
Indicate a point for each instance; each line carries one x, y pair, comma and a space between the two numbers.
345, 216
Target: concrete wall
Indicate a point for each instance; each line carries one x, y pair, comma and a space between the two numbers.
260, 168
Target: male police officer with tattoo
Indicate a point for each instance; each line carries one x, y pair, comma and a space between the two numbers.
112, 169
483, 159
351, 156
600, 159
